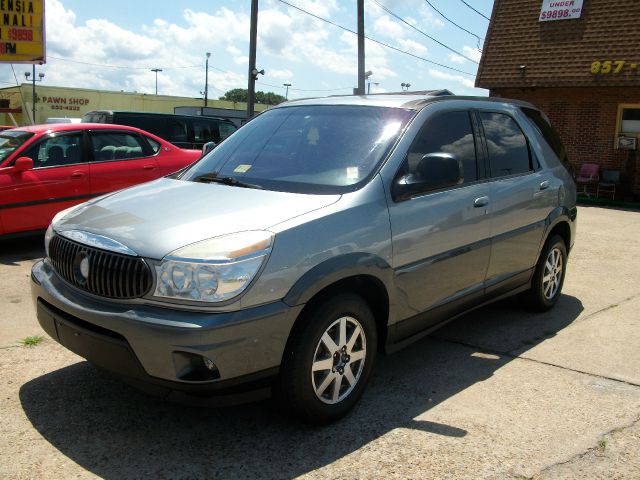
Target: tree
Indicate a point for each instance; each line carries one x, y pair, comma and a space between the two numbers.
242, 94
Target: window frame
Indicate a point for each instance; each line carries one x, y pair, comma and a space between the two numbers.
146, 148
49, 136
480, 159
619, 132
534, 163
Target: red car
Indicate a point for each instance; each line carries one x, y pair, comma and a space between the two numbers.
47, 168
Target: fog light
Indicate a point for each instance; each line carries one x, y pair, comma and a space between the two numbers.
209, 364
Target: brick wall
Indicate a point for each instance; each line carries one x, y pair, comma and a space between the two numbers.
585, 118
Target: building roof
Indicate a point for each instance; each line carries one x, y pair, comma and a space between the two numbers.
560, 53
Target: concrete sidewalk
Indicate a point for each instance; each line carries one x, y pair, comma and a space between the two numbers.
500, 393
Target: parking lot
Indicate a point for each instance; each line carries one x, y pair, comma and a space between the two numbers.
499, 393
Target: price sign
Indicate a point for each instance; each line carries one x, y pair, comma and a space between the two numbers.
22, 38
560, 10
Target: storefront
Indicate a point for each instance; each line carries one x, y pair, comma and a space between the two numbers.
579, 61
62, 102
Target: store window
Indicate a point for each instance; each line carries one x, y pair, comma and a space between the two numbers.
628, 126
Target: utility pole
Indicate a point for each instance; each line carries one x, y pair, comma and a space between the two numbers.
361, 72
253, 75
156, 70
206, 79
286, 95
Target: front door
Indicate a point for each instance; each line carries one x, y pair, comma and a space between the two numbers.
441, 239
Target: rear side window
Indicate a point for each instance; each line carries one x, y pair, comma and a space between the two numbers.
226, 129
110, 146
507, 145
547, 131
449, 132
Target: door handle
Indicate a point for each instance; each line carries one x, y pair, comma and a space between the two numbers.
481, 202
544, 185
77, 175
150, 167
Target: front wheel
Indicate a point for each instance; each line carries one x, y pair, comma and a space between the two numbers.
548, 277
329, 359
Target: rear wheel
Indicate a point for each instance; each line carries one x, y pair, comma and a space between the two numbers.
548, 277
329, 359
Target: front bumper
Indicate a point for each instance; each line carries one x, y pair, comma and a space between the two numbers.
156, 346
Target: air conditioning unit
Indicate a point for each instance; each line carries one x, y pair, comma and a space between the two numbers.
626, 143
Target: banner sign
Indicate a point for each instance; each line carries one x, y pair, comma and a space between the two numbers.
22, 38
560, 10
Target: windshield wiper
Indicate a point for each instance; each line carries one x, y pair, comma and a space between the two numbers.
234, 182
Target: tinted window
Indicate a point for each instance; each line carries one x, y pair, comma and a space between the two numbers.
547, 131
116, 146
315, 149
449, 132
508, 148
57, 151
155, 146
226, 129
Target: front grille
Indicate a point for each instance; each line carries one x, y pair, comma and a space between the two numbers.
103, 273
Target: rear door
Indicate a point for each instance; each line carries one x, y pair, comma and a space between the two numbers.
59, 179
521, 200
120, 159
441, 239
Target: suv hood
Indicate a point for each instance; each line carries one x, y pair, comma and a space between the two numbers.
156, 218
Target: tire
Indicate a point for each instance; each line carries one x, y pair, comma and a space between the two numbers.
548, 277
324, 371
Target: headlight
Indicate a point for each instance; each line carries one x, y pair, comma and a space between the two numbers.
213, 270
49, 235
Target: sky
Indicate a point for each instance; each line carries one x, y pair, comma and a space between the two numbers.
113, 45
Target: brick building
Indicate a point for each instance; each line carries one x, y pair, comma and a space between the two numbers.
581, 65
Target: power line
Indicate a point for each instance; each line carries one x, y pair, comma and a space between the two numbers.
479, 13
307, 89
452, 22
377, 41
120, 66
423, 33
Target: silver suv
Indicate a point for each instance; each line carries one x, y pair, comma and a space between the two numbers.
319, 234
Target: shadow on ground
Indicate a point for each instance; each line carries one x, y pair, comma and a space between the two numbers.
115, 432
20, 249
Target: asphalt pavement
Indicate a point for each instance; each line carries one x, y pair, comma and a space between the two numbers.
499, 393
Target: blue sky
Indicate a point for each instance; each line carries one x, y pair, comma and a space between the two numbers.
114, 45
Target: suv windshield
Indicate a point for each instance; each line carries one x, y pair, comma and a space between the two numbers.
10, 141
307, 149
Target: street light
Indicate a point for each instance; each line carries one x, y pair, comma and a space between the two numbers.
206, 79
405, 86
156, 70
35, 97
286, 95
367, 74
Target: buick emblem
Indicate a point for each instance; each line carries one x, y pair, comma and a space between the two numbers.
81, 267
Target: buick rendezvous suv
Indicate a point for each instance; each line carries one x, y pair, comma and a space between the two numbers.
321, 233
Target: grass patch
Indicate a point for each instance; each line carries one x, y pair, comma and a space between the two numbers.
31, 341
602, 444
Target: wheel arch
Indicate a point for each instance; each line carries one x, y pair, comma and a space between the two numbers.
366, 275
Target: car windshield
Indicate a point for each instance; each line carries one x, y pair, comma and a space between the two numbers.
306, 149
10, 141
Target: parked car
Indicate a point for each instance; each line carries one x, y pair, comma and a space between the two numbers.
186, 131
321, 233
47, 168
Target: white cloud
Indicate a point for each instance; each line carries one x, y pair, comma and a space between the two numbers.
472, 53
413, 47
241, 61
283, 74
389, 27
460, 79
455, 58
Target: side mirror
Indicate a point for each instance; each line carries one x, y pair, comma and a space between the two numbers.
207, 147
23, 164
433, 172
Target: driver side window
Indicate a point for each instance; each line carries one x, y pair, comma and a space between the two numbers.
451, 133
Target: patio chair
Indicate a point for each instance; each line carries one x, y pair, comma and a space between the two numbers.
589, 175
609, 180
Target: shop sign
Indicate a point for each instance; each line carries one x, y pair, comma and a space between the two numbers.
560, 10
22, 38
72, 104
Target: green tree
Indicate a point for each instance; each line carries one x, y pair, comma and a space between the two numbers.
241, 95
